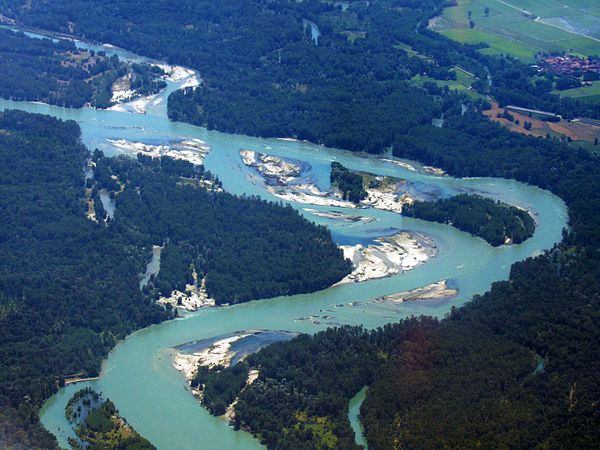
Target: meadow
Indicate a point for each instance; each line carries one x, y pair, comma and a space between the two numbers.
464, 81
585, 93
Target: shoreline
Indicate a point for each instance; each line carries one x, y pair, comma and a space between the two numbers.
222, 351
217, 354
193, 150
388, 256
69, 381
337, 215
434, 291
192, 299
287, 180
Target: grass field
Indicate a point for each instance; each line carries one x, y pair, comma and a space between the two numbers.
463, 82
585, 93
522, 28
408, 49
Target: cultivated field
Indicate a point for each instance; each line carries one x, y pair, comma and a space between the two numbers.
577, 131
522, 28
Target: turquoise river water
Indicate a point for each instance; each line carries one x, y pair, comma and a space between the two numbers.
138, 375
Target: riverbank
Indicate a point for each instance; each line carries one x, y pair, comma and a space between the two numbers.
288, 181
387, 256
192, 298
217, 354
142, 349
434, 291
193, 151
200, 361
336, 215
128, 100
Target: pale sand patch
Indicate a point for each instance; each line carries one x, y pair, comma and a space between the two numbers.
435, 291
288, 139
434, 171
386, 199
217, 354
403, 164
194, 297
175, 73
271, 166
389, 256
121, 89
311, 199
191, 150
139, 105
339, 216
191, 82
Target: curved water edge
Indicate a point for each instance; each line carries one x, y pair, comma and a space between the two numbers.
354, 417
314, 30
138, 375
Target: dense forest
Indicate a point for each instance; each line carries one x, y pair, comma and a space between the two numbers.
264, 73
58, 73
245, 248
516, 367
70, 287
220, 385
300, 397
496, 222
350, 184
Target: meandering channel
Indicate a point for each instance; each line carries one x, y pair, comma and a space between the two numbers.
138, 375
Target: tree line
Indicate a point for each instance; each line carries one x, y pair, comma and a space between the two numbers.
350, 184
496, 222
60, 74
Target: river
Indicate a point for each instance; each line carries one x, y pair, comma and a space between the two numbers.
138, 376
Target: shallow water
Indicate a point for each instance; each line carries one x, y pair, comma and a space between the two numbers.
138, 376
153, 266
109, 204
354, 417
314, 30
